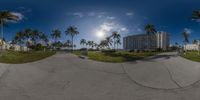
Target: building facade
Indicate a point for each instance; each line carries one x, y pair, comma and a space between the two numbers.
147, 42
194, 47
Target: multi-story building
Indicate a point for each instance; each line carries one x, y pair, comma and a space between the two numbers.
146, 42
191, 47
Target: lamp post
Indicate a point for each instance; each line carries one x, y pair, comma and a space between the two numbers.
198, 47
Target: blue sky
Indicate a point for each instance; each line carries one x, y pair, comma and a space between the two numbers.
93, 17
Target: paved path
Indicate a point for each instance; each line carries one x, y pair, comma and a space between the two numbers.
67, 77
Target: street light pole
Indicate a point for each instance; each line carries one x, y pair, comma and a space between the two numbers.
198, 47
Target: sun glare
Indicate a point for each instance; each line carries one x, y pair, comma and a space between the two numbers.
100, 34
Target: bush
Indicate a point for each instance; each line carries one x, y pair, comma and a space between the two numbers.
108, 51
36, 47
83, 49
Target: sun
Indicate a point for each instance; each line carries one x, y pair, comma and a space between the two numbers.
100, 34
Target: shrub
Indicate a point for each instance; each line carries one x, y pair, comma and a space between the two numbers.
108, 51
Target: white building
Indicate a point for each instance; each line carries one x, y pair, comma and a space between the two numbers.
8, 46
191, 47
147, 42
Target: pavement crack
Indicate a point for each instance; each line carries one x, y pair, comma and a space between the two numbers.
171, 76
139, 84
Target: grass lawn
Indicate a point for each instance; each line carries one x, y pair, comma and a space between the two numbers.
116, 57
13, 57
192, 56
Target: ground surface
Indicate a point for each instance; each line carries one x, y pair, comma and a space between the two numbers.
67, 77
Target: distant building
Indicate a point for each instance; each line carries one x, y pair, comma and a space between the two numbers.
191, 47
147, 42
8, 46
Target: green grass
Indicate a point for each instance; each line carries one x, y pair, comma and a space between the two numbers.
192, 56
116, 57
13, 57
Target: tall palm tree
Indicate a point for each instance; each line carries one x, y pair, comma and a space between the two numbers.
151, 32
195, 41
116, 36
83, 42
19, 38
44, 38
109, 41
90, 43
186, 37
56, 33
118, 42
72, 31
103, 44
196, 16
7, 16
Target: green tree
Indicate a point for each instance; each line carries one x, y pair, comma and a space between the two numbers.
56, 33
151, 32
185, 38
196, 17
109, 42
83, 42
116, 36
5, 17
118, 42
72, 31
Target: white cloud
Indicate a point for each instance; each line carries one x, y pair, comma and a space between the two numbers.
108, 27
99, 16
110, 17
124, 29
77, 14
19, 15
129, 14
188, 30
139, 29
91, 14
23, 9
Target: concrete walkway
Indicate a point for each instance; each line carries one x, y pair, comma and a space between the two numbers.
67, 77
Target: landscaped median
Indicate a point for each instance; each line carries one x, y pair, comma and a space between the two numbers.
13, 57
192, 55
116, 57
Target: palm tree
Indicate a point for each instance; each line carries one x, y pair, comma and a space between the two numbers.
44, 38
195, 42
7, 16
95, 45
109, 41
72, 31
56, 33
116, 36
186, 37
118, 42
151, 32
83, 42
196, 16
19, 38
103, 44
90, 43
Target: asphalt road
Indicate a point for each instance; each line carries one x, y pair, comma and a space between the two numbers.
67, 77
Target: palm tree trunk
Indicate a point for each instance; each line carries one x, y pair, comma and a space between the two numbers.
72, 43
114, 44
2, 34
2, 29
